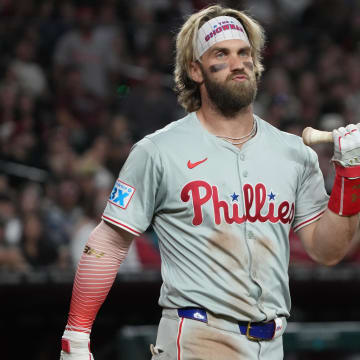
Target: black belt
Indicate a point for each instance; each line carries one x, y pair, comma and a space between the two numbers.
255, 331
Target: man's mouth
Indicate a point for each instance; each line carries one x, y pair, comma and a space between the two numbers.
239, 77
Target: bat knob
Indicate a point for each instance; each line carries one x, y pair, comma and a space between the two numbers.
312, 136
306, 135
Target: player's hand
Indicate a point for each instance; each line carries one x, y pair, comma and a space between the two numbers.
347, 145
75, 346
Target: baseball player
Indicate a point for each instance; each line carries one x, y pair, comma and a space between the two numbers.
222, 188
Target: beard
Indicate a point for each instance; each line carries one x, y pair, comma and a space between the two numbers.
230, 97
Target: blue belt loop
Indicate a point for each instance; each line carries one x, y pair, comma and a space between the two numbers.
194, 314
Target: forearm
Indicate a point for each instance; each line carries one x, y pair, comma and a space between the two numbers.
332, 237
95, 274
334, 232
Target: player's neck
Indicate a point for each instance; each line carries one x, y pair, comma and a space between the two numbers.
234, 127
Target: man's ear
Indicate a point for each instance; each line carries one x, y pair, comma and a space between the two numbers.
195, 72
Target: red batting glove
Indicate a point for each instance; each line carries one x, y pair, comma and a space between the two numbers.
345, 195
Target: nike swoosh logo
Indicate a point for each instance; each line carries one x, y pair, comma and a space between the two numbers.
192, 165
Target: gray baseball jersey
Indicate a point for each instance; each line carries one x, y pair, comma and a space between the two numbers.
222, 214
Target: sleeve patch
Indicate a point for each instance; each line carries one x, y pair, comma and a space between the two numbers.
121, 194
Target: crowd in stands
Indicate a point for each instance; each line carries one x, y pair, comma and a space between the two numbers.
81, 82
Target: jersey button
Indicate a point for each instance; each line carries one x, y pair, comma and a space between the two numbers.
245, 173
242, 157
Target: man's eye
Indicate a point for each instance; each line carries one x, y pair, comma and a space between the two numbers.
220, 54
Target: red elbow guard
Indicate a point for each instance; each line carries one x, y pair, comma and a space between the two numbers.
345, 195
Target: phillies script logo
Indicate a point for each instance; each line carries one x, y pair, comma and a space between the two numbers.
254, 201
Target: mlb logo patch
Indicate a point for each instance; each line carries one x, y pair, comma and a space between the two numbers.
121, 194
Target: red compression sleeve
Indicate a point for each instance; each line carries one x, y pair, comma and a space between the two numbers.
95, 275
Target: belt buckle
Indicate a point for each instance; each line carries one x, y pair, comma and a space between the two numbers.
250, 337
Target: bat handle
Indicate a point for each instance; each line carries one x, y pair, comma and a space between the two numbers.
312, 136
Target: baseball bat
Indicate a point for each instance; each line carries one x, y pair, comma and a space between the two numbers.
312, 136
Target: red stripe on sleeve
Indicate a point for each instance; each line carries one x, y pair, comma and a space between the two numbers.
307, 221
121, 224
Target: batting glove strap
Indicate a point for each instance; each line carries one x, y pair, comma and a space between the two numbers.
348, 172
75, 342
345, 195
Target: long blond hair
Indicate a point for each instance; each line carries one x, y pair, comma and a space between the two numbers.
188, 90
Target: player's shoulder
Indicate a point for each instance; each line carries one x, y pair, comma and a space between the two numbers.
281, 137
285, 141
172, 133
165, 139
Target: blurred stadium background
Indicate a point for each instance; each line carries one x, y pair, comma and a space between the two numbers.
80, 82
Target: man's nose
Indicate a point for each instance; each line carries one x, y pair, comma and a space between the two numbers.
236, 63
